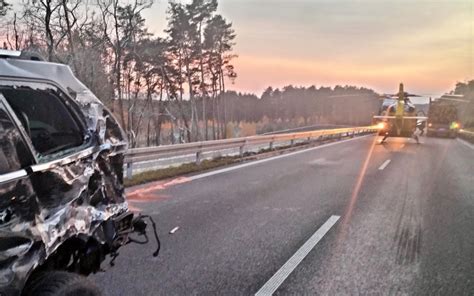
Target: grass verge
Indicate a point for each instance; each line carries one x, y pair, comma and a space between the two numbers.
183, 169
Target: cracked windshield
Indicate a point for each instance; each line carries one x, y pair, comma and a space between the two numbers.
236, 147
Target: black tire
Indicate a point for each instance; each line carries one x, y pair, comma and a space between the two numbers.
61, 283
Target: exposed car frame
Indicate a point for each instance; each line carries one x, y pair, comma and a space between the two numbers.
66, 212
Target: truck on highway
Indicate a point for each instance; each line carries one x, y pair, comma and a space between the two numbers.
63, 209
443, 119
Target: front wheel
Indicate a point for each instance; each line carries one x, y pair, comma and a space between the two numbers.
61, 283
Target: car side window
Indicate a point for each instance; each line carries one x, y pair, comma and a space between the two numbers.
14, 154
45, 116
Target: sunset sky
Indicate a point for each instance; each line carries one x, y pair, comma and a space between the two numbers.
428, 45
376, 43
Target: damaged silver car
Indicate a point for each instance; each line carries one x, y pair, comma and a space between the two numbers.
62, 204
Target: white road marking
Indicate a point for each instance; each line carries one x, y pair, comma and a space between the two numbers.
172, 231
279, 277
323, 161
212, 173
384, 165
465, 143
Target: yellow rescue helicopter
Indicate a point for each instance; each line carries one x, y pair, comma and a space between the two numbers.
400, 119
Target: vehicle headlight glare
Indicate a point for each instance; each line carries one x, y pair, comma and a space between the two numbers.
381, 125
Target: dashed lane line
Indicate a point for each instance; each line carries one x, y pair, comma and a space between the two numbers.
384, 165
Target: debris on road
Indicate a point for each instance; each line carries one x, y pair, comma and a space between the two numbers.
172, 231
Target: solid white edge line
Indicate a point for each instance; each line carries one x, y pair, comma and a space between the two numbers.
384, 165
279, 277
465, 143
212, 173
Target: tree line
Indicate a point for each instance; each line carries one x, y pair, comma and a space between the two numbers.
341, 105
109, 48
466, 89
179, 79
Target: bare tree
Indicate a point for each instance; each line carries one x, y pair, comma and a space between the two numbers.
219, 41
200, 12
145, 80
4, 7
40, 17
121, 19
182, 53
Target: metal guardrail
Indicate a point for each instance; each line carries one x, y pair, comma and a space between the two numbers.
137, 155
466, 132
466, 135
304, 129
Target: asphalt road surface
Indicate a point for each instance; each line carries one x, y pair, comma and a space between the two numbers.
349, 218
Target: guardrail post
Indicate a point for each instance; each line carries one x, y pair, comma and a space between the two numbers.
199, 155
129, 170
241, 149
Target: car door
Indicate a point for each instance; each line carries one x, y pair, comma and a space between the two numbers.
18, 204
70, 166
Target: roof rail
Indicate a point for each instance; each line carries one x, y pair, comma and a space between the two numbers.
9, 53
23, 55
